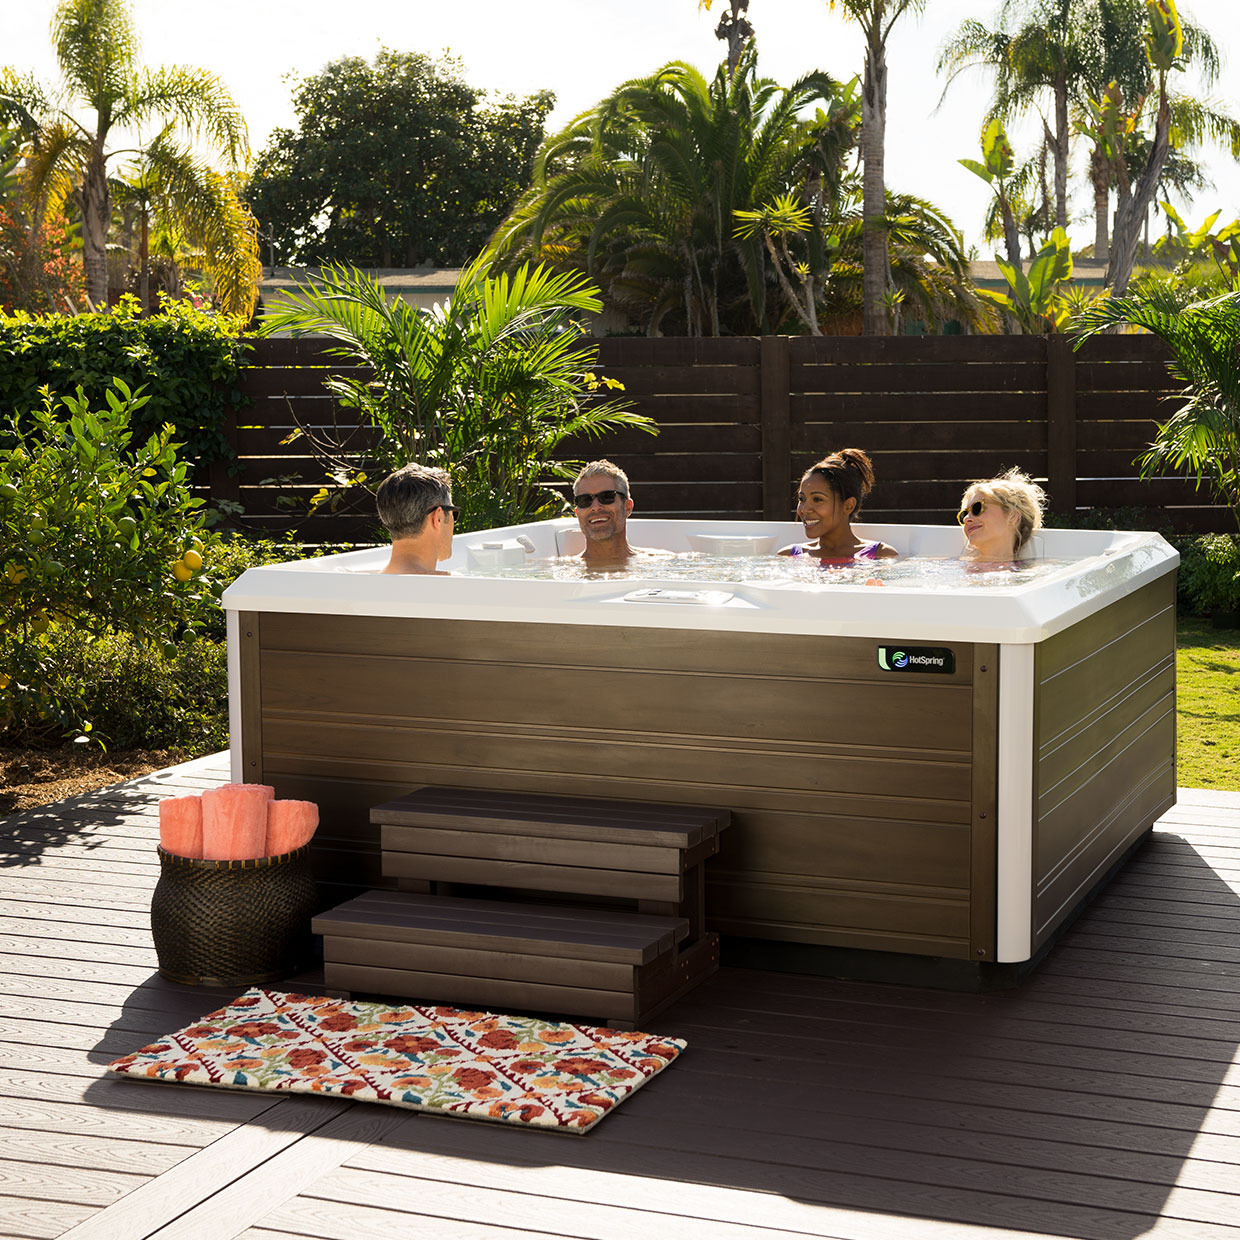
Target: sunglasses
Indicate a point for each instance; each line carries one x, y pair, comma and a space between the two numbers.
975, 509
604, 497
452, 508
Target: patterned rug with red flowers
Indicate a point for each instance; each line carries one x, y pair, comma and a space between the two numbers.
514, 1069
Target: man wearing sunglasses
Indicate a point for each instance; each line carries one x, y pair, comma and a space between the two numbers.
601, 499
415, 506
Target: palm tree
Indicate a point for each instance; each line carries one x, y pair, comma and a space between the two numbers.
1203, 436
197, 216
97, 49
1125, 79
1036, 47
640, 192
486, 385
876, 19
1072, 51
733, 27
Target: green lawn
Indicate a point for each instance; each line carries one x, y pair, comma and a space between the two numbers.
1208, 705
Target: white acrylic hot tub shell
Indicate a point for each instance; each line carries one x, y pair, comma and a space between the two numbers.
1109, 565
1106, 566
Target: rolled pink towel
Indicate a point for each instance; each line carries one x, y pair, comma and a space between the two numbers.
290, 824
180, 826
234, 821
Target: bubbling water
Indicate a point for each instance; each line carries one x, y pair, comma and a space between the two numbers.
923, 572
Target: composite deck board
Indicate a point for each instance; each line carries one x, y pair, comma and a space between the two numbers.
1099, 1100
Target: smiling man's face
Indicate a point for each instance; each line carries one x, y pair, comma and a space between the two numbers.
601, 522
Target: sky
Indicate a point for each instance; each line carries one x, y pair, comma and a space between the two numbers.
582, 49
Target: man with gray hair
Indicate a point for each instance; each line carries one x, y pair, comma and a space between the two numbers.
415, 506
601, 498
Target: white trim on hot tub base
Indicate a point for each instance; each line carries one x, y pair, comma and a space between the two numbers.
234, 697
1014, 830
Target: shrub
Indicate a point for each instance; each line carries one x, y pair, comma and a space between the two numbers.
134, 696
188, 361
171, 695
1210, 574
94, 538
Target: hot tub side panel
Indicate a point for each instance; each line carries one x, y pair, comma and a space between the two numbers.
860, 815
1104, 732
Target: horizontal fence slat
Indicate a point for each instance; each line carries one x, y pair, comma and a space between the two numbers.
684, 380
722, 437
1132, 376
911, 378
1133, 436
293, 351
617, 351
1126, 406
269, 440
884, 407
296, 380
827, 350
673, 408
1153, 492
910, 440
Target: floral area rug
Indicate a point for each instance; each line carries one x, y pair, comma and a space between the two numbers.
513, 1069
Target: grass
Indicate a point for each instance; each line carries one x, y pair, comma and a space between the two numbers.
1208, 707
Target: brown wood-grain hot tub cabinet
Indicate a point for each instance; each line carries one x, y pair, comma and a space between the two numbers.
869, 811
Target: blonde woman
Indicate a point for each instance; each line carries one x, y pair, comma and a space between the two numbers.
999, 516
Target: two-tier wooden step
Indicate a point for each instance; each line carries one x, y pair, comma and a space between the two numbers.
592, 959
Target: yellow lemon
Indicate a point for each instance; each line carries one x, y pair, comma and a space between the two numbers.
192, 559
182, 571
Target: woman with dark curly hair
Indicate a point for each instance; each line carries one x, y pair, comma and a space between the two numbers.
829, 498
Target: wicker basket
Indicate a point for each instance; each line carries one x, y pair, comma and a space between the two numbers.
233, 923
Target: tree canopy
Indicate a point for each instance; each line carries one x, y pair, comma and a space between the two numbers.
398, 162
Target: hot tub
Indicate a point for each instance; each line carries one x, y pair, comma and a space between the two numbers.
941, 772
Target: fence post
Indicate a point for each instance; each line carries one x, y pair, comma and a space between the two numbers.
1061, 423
776, 427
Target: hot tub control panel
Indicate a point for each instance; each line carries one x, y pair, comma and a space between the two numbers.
697, 598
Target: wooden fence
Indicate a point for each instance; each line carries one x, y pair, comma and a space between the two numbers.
741, 418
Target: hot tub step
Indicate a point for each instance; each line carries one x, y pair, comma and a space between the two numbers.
600, 964
644, 852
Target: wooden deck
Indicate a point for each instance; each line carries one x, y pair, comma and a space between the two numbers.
1100, 1100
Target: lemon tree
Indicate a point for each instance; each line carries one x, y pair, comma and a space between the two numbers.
96, 536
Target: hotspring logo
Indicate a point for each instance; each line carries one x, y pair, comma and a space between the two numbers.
917, 659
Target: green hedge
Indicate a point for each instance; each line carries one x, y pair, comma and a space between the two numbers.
141, 696
1209, 578
134, 696
188, 363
